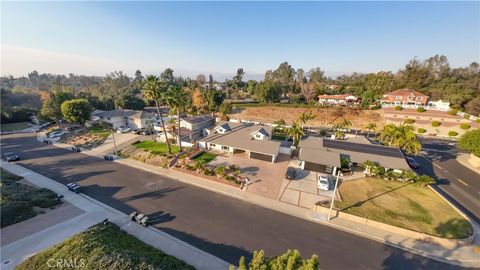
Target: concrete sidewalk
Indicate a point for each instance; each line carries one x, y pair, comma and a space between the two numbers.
95, 212
463, 256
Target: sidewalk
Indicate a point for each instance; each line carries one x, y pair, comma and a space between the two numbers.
464, 256
463, 159
95, 212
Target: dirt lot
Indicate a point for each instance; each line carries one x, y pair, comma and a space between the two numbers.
325, 117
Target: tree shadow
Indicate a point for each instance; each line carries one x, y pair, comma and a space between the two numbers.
360, 203
250, 170
156, 194
160, 217
454, 227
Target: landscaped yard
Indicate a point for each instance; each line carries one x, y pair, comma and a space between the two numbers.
100, 131
14, 126
404, 205
92, 137
156, 147
105, 247
279, 137
205, 156
20, 201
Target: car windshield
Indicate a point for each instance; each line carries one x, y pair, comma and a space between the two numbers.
323, 182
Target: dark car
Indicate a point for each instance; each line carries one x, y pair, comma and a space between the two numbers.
147, 132
12, 157
412, 163
6, 154
290, 174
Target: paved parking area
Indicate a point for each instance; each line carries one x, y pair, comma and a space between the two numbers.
265, 177
302, 191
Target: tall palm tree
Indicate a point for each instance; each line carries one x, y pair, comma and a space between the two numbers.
402, 136
152, 89
177, 99
305, 117
295, 131
371, 127
340, 128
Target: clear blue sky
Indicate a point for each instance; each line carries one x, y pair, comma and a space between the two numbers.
193, 37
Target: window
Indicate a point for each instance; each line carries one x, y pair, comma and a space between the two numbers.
419, 98
398, 97
224, 147
212, 145
258, 136
410, 98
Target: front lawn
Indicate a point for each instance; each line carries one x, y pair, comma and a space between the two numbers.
14, 126
105, 247
404, 205
205, 156
100, 131
158, 148
19, 201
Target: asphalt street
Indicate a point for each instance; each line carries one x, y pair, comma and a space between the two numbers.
455, 181
220, 225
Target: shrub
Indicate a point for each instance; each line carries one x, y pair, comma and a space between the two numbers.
478, 120
466, 116
280, 122
420, 109
470, 141
452, 112
409, 121
398, 108
436, 124
452, 133
220, 170
464, 126
421, 130
424, 180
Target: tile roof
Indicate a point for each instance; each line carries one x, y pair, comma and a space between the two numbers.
342, 96
406, 92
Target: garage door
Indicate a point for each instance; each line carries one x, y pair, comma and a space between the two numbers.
315, 167
261, 156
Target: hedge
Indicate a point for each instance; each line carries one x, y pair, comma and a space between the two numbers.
398, 108
452, 133
452, 112
421, 130
420, 109
409, 121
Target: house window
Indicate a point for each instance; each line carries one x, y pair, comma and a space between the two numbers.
212, 145
419, 98
258, 136
224, 147
398, 97
410, 98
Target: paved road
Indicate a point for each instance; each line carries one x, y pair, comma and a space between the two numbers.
223, 226
456, 182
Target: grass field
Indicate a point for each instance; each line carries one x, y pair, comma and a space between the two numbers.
101, 132
156, 147
14, 126
404, 205
19, 201
105, 247
205, 156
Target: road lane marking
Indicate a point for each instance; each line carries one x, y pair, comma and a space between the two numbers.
461, 181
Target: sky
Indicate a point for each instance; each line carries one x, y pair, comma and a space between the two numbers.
94, 38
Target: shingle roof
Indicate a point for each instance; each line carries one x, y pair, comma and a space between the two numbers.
320, 157
240, 137
195, 119
262, 131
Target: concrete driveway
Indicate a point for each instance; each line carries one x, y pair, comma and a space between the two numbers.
265, 177
302, 191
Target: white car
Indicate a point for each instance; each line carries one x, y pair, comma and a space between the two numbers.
123, 129
325, 182
56, 134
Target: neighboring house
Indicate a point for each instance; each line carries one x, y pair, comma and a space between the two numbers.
216, 86
242, 138
324, 155
407, 98
192, 128
343, 99
438, 105
125, 118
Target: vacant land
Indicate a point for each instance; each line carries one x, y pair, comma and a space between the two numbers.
20, 201
324, 117
156, 147
14, 126
105, 247
404, 205
205, 156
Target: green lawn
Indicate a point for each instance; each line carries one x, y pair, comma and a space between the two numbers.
14, 126
205, 156
156, 147
105, 247
404, 205
18, 200
100, 131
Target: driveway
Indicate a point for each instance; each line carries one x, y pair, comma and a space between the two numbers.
302, 191
265, 177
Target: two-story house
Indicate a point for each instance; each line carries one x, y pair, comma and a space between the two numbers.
407, 98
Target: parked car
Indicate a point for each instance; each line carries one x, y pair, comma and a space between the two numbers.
123, 129
56, 134
110, 157
73, 187
325, 182
11, 157
4, 155
147, 132
290, 174
412, 163
138, 131
76, 149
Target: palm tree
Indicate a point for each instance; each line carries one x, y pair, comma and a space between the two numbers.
171, 125
152, 89
296, 132
177, 100
340, 128
200, 165
371, 127
305, 117
402, 136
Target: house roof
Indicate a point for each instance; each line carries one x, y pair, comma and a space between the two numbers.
388, 157
262, 131
225, 126
406, 92
240, 137
323, 157
126, 113
195, 119
342, 96
359, 139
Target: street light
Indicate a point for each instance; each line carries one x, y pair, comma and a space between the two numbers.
333, 196
114, 142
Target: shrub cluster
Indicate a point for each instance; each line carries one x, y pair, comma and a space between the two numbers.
436, 123
421, 130
465, 126
420, 109
452, 133
398, 108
